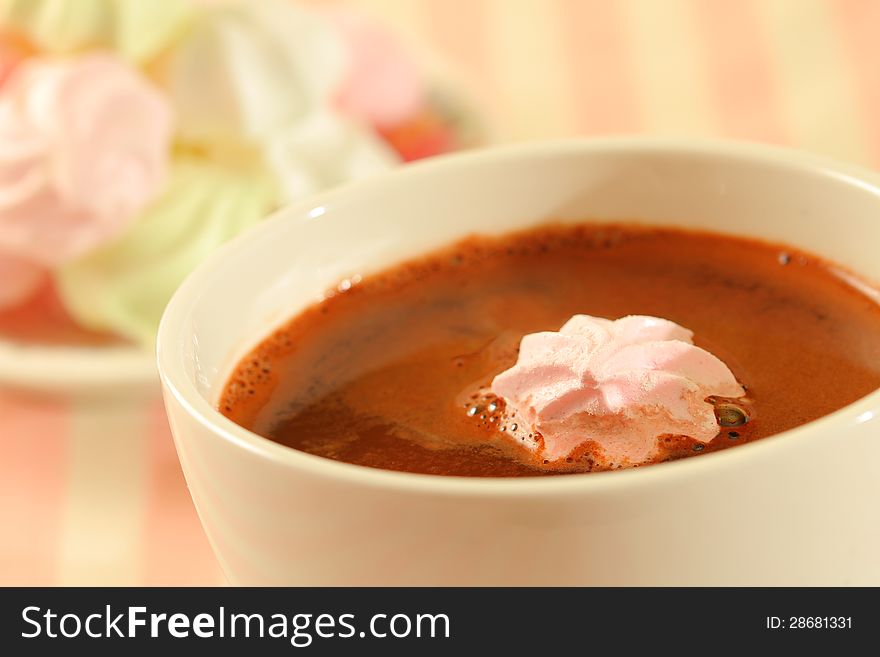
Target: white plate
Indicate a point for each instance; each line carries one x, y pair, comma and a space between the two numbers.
86, 370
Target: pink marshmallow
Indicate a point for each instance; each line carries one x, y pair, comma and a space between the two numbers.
84, 144
621, 384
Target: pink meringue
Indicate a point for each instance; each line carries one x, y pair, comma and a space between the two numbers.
383, 85
19, 280
620, 384
70, 180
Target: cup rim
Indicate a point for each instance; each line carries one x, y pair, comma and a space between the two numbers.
177, 385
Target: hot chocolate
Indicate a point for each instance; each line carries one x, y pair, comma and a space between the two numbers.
395, 370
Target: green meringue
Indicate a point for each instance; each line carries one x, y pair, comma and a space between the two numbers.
135, 29
124, 286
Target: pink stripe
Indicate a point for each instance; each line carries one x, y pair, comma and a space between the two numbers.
176, 550
858, 22
742, 85
33, 435
602, 74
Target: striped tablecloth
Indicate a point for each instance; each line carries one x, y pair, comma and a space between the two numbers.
91, 493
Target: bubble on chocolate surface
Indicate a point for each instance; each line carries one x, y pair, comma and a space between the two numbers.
729, 415
731, 411
491, 413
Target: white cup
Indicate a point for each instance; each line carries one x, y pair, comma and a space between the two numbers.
794, 509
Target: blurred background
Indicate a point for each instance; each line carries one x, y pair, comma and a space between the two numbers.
90, 488
801, 73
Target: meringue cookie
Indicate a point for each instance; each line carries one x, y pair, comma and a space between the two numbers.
72, 179
19, 280
325, 150
383, 85
249, 69
135, 29
620, 384
124, 286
